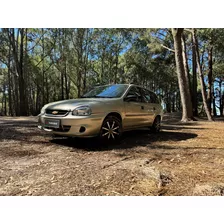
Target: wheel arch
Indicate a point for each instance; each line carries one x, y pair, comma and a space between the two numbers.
159, 116
115, 114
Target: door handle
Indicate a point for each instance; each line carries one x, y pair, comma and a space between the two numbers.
142, 107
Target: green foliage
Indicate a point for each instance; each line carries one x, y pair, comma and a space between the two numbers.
65, 63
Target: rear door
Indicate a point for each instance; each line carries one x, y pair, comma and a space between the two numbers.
134, 109
146, 107
150, 99
155, 105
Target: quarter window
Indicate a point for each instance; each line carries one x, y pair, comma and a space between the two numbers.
154, 97
146, 96
149, 96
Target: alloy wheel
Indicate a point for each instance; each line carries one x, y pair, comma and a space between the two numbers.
111, 129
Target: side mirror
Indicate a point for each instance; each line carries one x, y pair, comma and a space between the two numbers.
130, 98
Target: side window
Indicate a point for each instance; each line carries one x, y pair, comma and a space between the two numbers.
135, 92
146, 96
154, 98
149, 96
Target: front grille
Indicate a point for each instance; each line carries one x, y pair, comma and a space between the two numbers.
57, 112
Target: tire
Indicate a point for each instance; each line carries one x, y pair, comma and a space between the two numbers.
111, 129
156, 126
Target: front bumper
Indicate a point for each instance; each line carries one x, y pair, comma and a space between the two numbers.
70, 125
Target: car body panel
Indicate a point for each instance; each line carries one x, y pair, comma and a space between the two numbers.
136, 115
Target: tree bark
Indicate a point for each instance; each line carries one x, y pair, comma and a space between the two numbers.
9, 81
221, 98
187, 76
86, 60
194, 82
222, 105
213, 101
18, 55
209, 95
177, 33
201, 77
43, 69
23, 107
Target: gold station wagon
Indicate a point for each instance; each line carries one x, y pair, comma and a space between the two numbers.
105, 111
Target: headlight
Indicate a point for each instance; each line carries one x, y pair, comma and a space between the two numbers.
82, 111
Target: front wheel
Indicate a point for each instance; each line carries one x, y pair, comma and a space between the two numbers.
111, 129
156, 126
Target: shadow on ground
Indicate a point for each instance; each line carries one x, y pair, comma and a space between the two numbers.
23, 131
129, 140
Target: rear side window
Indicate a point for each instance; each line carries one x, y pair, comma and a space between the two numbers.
146, 95
149, 96
154, 98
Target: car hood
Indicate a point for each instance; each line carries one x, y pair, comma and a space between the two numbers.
72, 104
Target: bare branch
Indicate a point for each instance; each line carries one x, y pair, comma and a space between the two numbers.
167, 48
36, 42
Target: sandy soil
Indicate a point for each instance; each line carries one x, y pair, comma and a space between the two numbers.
184, 159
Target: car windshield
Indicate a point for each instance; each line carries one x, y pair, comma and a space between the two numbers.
109, 91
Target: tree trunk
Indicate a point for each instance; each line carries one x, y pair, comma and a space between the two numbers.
187, 76
62, 86
22, 97
194, 82
101, 74
222, 105
4, 100
221, 98
201, 77
116, 67
213, 102
16, 95
43, 72
26, 75
37, 109
80, 68
61, 31
18, 56
66, 81
209, 95
86, 60
177, 33
9, 82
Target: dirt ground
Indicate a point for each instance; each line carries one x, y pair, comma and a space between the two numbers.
184, 159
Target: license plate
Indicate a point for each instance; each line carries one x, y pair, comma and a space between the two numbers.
52, 123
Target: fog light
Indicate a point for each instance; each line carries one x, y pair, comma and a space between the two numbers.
82, 129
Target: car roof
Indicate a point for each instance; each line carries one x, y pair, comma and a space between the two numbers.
141, 87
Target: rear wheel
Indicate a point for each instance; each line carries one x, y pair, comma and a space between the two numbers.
156, 126
111, 129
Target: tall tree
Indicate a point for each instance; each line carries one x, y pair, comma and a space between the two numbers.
17, 45
187, 75
201, 76
184, 89
194, 81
